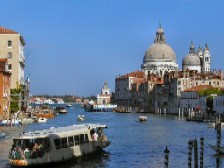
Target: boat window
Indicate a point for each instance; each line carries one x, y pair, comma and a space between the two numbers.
64, 142
86, 138
76, 137
70, 141
57, 143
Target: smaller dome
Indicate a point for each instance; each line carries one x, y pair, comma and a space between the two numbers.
192, 58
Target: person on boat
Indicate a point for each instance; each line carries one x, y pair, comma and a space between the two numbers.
100, 133
92, 131
36, 146
26, 153
95, 136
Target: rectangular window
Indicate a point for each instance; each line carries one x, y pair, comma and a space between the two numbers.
70, 141
9, 66
86, 138
9, 55
57, 143
9, 43
64, 142
76, 137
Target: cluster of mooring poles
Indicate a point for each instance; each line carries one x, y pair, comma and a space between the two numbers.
192, 144
218, 131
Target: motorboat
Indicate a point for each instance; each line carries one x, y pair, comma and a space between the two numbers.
54, 145
81, 117
142, 118
27, 121
61, 110
44, 111
2, 135
41, 120
212, 124
221, 149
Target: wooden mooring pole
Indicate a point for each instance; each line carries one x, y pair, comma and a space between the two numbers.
190, 146
195, 153
218, 130
201, 152
166, 161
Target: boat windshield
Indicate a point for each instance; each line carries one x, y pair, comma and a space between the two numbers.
29, 148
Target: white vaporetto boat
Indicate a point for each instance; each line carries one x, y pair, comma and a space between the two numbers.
57, 144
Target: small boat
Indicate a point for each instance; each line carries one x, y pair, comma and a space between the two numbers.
212, 124
27, 121
221, 149
142, 118
55, 145
2, 135
45, 112
68, 105
81, 117
41, 120
60, 110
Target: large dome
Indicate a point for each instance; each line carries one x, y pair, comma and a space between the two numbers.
159, 57
159, 52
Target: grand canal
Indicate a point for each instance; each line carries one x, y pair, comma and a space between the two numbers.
136, 144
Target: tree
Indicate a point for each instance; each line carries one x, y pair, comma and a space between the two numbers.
15, 99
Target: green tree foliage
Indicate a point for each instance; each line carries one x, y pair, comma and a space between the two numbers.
208, 92
15, 99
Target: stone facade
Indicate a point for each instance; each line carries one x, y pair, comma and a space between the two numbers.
12, 47
5, 81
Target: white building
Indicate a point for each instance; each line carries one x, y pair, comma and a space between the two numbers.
190, 100
218, 104
105, 96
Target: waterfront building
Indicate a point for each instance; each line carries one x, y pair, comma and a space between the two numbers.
5, 82
105, 96
218, 104
12, 47
127, 89
190, 100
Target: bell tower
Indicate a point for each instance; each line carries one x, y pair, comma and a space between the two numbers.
206, 63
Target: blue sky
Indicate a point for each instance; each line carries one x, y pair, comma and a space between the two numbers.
73, 46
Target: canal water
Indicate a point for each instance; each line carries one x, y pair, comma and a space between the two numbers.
139, 144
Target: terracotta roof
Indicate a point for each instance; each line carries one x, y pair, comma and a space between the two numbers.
199, 88
3, 59
7, 31
137, 74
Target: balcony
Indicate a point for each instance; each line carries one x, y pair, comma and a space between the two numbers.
22, 60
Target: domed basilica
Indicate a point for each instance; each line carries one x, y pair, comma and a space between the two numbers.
159, 57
